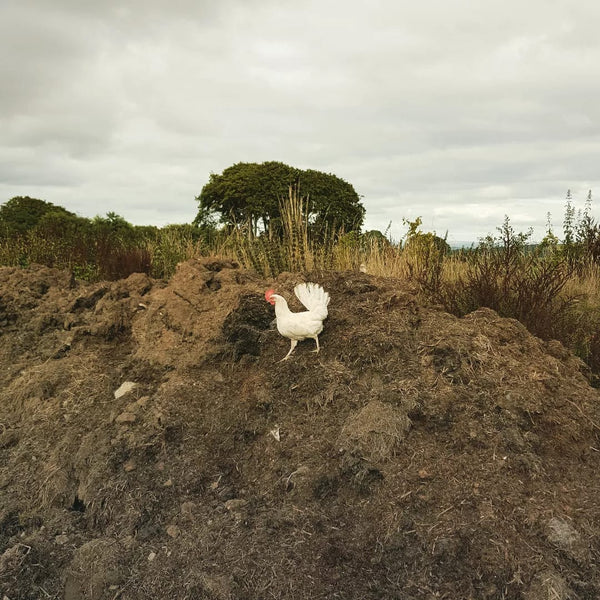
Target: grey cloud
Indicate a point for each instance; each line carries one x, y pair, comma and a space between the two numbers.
453, 109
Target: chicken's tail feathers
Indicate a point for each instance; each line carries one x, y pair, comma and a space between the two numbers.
314, 297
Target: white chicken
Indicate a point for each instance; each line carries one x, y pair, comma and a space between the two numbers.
301, 325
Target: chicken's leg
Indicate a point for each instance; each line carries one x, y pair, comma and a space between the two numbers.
316, 338
294, 342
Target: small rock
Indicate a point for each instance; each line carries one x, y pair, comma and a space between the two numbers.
125, 388
566, 538
129, 466
168, 483
235, 504
173, 531
151, 556
126, 417
187, 508
561, 533
141, 402
424, 474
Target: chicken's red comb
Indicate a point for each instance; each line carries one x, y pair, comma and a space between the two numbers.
268, 295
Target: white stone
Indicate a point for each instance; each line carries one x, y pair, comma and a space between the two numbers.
124, 388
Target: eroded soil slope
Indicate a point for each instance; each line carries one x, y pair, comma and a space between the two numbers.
418, 456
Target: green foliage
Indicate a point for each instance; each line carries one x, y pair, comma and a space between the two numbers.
22, 213
374, 239
250, 194
332, 203
588, 233
550, 243
425, 253
245, 193
581, 243
207, 218
148, 233
368, 241
174, 244
569, 221
115, 228
352, 240
297, 248
35, 231
62, 240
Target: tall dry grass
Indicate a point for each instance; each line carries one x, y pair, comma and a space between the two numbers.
288, 245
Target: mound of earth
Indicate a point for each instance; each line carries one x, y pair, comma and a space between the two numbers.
153, 446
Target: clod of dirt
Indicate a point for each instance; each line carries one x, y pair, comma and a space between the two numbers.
567, 539
548, 585
173, 531
375, 431
88, 299
126, 417
97, 566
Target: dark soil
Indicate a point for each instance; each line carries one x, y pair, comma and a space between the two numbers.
418, 456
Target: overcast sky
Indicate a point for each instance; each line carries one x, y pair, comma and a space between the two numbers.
457, 111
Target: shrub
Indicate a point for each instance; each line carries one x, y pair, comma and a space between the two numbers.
515, 280
424, 254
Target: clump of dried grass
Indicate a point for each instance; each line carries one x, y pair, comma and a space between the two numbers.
375, 431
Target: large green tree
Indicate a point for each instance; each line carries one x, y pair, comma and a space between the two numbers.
251, 194
22, 213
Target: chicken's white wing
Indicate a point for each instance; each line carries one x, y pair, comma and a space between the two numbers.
314, 297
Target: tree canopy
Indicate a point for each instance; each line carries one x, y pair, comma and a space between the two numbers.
251, 194
22, 213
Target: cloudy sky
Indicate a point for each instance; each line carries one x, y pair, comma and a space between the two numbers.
453, 110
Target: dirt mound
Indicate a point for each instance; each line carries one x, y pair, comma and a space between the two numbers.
152, 446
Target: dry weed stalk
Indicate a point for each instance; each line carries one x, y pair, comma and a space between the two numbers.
294, 219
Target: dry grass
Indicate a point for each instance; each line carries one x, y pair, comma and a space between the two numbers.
552, 296
375, 431
288, 248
